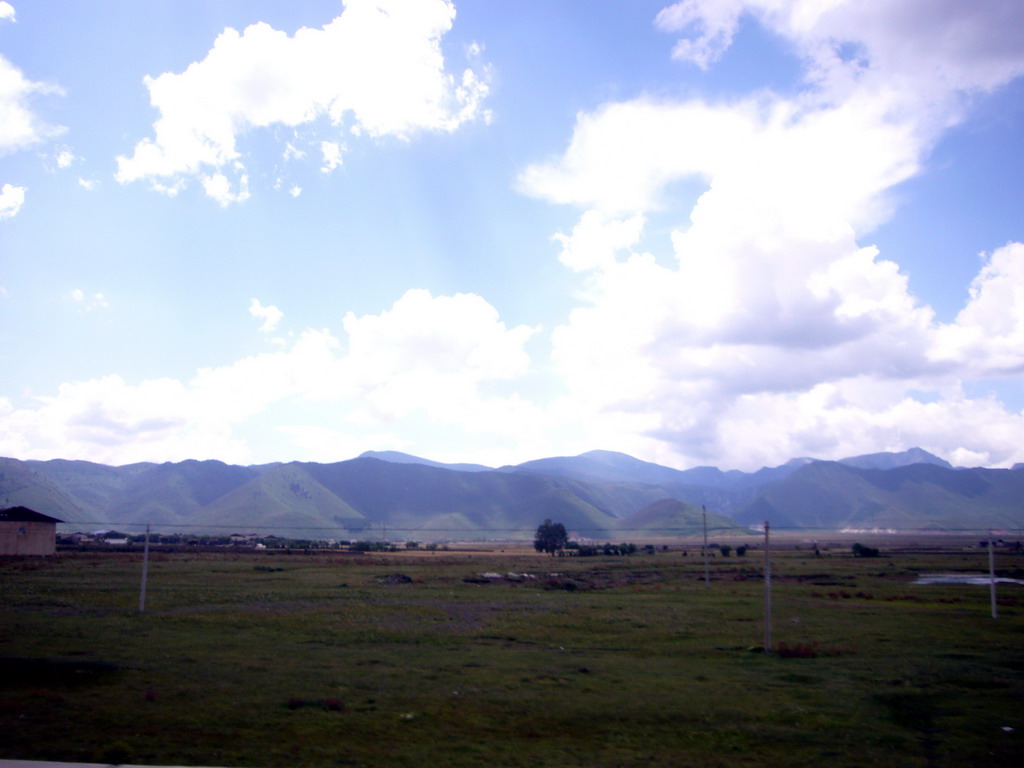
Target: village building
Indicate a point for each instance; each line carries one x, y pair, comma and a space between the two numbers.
24, 531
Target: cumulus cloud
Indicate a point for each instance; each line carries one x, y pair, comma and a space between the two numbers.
595, 240
218, 187
19, 125
269, 316
713, 24
431, 358
920, 52
11, 200
430, 352
375, 70
987, 337
331, 151
774, 330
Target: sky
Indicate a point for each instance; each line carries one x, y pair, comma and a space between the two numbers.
709, 232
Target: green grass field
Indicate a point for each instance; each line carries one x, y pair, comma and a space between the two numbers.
293, 660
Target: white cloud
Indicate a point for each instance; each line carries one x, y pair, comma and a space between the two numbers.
921, 52
218, 186
595, 240
292, 152
19, 126
776, 332
430, 353
270, 316
88, 184
110, 421
830, 420
431, 359
295, 190
331, 150
987, 337
715, 23
11, 200
377, 67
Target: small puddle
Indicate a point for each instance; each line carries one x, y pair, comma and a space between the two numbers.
975, 579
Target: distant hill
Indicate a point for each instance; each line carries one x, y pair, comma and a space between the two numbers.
598, 494
397, 457
834, 495
895, 460
602, 466
725, 492
360, 498
21, 485
671, 517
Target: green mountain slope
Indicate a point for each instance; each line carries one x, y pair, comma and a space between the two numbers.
21, 485
507, 505
599, 495
173, 493
285, 500
671, 517
93, 487
829, 495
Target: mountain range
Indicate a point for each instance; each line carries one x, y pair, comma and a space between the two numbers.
599, 495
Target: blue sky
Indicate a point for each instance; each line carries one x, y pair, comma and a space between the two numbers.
722, 232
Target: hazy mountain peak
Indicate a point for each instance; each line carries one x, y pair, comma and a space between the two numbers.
799, 461
397, 457
888, 460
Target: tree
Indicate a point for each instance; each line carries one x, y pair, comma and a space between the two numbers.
859, 550
550, 537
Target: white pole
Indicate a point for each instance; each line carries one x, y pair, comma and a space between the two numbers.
767, 593
992, 576
145, 572
707, 579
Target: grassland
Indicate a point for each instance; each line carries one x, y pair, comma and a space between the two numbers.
398, 660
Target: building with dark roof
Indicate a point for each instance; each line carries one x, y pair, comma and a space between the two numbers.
24, 531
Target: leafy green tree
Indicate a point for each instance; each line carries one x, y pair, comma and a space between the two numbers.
550, 537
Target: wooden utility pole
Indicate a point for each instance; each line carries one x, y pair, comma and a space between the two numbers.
707, 578
767, 592
145, 572
992, 576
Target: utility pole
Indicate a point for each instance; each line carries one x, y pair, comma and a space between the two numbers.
145, 572
992, 576
767, 592
707, 579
